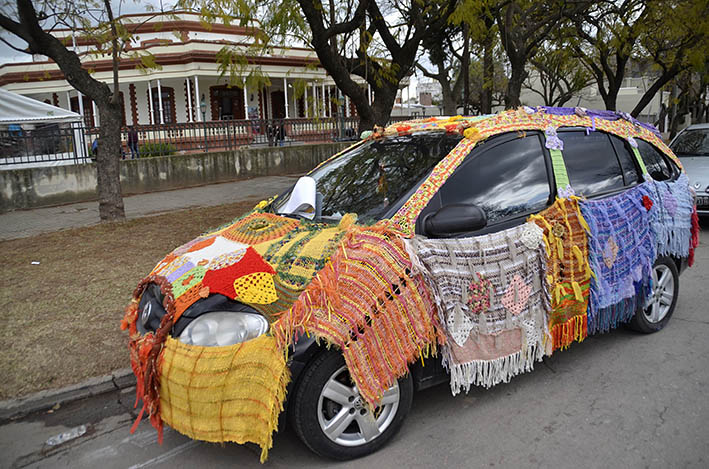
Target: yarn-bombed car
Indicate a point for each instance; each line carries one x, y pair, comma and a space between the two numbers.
458, 249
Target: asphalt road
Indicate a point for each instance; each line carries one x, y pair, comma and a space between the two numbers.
617, 400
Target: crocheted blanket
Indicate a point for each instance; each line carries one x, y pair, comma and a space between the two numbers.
568, 271
368, 303
494, 302
621, 253
671, 216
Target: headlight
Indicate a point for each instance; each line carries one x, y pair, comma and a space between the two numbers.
224, 328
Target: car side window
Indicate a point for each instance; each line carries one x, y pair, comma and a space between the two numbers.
591, 162
656, 164
504, 180
631, 174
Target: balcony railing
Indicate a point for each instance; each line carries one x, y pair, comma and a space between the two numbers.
73, 144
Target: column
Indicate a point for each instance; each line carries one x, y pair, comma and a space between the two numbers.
150, 103
162, 117
305, 102
315, 101
196, 97
97, 121
369, 93
68, 100
324, 106
246, 103
189, 100
285, 94
347, 106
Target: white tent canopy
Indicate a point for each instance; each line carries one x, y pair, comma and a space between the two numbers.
18, 109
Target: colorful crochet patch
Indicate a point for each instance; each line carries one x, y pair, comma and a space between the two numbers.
671, 216
491, 346
219, 394
621, 254
568, 271
367, 302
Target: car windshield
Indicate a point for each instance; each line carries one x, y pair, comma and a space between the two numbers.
692, 142
370, 179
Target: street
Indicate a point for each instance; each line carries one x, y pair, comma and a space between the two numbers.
620, 399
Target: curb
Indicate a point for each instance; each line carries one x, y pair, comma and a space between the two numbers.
43, 400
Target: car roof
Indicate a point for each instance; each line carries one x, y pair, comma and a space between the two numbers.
696, 127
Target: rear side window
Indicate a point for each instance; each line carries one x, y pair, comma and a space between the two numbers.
627, 160
591, 162
504, 180
694, 142
655, 162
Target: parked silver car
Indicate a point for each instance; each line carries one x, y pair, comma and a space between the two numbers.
692, 147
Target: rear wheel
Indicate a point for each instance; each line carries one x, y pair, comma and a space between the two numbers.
661, 303
332, 419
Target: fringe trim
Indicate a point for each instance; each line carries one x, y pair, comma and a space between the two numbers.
609, 318
694, 236
564, 334
673, 241
488, 373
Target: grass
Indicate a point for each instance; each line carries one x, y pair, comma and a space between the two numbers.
61, 318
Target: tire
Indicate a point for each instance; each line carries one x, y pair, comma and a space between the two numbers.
661, 304
325, 395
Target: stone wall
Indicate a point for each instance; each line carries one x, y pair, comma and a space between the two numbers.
40, 187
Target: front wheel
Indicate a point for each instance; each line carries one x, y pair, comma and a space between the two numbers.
329, 415
661, 303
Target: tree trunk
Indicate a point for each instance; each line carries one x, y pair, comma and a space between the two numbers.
449, 102
488, 76
465, 68
108, 185
383, 103
514, 85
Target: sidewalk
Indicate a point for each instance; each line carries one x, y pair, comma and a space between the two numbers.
24, 223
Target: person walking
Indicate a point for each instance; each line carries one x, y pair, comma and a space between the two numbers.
133, 142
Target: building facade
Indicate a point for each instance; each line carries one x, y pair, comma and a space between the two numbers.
187, 75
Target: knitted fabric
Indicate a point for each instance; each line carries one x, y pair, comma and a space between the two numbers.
695, 236
494, 302
367, 302
621, 254
219, 394
568, 271
671, 216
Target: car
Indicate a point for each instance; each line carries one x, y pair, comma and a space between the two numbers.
691, 145
457, 249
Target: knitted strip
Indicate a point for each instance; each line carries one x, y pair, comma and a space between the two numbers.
671, 216
568, 271
621, 254
220, 394
367, 302
490, 341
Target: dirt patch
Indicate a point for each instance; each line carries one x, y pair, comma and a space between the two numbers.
61, 317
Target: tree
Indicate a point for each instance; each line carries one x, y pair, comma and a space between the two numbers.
443, 54
556, 75
376, 40
524, 25
96, 24
673, 43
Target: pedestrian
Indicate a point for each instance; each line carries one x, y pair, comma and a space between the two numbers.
133, 142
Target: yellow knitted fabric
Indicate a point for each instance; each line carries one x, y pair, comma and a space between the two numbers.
218, 394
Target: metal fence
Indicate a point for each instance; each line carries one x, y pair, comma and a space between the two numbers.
64, 144
47, 145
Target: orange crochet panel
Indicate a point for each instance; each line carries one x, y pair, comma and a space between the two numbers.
367, 302
568, 271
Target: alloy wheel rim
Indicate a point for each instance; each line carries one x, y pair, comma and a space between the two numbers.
343, 414
662, 295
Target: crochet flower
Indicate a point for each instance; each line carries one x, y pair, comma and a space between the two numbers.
471, 133
580, 111
515, 298
647, 203
558, 230
553, 142
632, 142
403, 128
532, 236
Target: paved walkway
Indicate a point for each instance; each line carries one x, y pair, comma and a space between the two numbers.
24, 223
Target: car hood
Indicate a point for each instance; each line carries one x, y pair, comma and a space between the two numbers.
697, 169
261, 259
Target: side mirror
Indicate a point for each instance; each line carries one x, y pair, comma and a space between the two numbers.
454, 218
